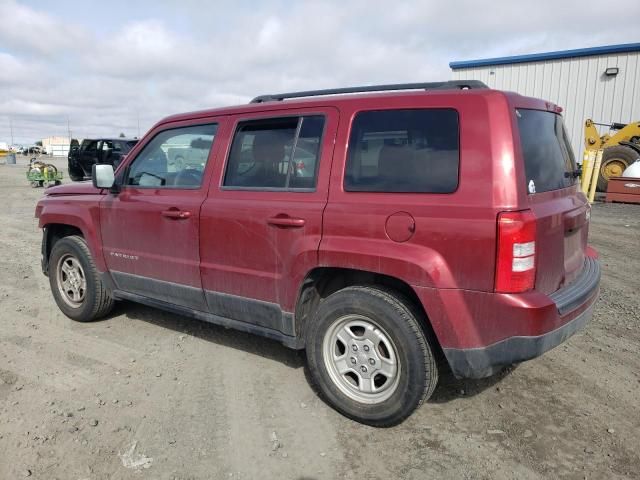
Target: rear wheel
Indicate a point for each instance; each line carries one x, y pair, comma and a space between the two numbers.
75, 283
369, 356
614, 161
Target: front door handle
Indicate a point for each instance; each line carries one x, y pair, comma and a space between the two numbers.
176, 214
288, 222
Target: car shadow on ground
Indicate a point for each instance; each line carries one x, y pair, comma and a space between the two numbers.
449, 388
212, 333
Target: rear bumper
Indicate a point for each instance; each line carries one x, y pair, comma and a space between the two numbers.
481, 333
483, 362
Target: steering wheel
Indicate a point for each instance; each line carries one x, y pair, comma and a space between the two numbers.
188, 177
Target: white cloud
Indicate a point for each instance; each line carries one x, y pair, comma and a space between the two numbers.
270, 34
104, 65
28, 30
140, 48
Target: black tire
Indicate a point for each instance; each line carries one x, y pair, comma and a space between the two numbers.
621, 155
401, 322
96, 301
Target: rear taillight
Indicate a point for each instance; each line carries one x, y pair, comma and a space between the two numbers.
516, 258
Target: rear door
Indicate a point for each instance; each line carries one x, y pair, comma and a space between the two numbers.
150, 229
561, 210
262, 222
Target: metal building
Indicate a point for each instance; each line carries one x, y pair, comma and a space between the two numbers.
601, 83
57, 146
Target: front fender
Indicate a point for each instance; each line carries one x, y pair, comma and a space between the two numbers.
81, 213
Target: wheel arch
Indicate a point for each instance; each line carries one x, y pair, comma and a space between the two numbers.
54, 231
321, 282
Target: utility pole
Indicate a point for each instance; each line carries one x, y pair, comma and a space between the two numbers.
11, 129
68, 129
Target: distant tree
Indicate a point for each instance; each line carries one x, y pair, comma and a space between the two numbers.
38, 143
122, 135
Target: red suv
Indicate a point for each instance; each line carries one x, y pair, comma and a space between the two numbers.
379, 231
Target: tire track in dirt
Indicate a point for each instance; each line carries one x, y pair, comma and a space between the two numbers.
277, 401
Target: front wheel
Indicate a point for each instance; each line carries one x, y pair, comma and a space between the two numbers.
75, 283
369, 355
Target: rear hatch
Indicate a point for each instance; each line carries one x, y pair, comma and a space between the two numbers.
561, 210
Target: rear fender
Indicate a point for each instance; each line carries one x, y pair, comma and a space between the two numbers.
413, 264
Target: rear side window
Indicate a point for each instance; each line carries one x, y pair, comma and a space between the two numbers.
411, 151
548, 158
90, 145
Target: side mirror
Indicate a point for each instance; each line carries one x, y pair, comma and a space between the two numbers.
102, 175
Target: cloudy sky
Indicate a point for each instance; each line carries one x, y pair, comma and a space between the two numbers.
107, 66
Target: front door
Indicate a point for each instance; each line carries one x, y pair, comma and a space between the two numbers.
88, 155
150, 228
262, 223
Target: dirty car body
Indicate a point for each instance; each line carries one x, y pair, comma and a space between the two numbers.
441, 200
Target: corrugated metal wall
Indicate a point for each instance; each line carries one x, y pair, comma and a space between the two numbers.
578, 85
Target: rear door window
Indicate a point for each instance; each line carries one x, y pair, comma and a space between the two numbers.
275, 153
548, 158
90, 146
410, 151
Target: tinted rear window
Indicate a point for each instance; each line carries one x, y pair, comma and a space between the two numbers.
411, 151
548, 157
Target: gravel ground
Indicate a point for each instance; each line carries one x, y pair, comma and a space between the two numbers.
146, 394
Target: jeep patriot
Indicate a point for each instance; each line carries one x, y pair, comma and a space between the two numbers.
390, 231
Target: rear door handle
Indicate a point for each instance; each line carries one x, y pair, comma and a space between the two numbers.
176, 214
288, 222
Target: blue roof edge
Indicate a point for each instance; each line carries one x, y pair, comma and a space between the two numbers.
537, 57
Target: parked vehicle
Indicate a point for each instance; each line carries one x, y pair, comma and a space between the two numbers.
439, 228
83, 156
35, 150
187, 156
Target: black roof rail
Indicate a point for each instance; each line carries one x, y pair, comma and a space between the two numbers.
449, 85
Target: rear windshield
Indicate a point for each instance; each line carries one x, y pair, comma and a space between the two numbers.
548, 159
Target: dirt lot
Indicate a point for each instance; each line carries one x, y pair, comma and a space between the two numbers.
146, 394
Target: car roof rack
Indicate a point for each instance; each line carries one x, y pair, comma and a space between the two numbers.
449, 85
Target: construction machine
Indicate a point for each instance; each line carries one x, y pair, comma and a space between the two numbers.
620, 148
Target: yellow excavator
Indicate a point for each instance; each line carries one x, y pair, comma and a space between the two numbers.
620, 149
